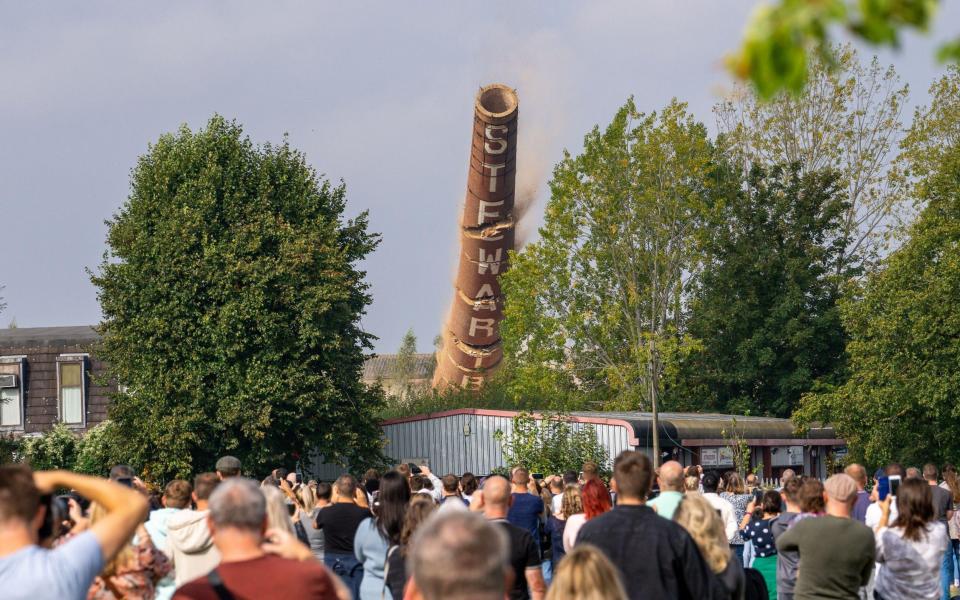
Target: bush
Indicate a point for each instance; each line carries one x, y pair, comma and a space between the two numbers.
551, 445
55, 449
11, 448
93, 453
97, 451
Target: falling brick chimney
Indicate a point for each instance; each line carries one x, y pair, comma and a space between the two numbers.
471, 347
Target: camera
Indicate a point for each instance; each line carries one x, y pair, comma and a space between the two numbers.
57, 512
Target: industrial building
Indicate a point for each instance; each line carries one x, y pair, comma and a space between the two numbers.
464, 440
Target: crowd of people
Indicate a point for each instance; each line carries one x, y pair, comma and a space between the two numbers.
668, 533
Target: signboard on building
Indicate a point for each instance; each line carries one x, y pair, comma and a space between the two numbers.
786, 456
708, 457
726, 457
716, 457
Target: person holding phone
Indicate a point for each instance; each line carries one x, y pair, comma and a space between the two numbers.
911, 547
883, 488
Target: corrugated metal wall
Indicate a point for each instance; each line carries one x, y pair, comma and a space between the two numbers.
461, 443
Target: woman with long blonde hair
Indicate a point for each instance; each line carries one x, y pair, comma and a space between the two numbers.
735, 492
700, 519
134, 572
570, 505
278, 513
586, 574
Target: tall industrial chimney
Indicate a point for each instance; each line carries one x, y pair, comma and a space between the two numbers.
471, 347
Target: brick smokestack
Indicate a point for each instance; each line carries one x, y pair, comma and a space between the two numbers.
471, 347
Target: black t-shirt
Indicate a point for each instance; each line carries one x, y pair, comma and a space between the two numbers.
523, 555
339, 523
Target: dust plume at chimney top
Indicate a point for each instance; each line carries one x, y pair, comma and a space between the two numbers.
471, 348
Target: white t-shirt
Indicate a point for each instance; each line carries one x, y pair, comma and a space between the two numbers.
910, 569
872, 518
730, 525
66, 572
572, 529
556, 503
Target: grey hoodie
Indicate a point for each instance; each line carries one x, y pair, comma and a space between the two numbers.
189, 545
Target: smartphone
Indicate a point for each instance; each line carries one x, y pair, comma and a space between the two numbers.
883, 488
894, 485
537, 475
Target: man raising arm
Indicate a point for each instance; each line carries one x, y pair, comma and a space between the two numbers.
29, 571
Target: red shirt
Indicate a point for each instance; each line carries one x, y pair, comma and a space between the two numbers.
268, 576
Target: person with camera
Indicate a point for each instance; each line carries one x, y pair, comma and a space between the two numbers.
28, 569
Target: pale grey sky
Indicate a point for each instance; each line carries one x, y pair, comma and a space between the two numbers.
378, 94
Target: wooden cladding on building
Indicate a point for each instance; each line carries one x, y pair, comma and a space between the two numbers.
59, 379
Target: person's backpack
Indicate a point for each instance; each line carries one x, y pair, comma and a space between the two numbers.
756, 587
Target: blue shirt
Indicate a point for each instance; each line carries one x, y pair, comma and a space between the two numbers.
371, 550
525, 513
64, 572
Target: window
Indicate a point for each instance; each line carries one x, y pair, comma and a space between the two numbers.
71, 380
11, 391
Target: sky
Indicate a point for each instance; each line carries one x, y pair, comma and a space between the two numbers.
377, 94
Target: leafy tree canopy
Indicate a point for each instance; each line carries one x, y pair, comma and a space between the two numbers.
781, 37
231, 297
765, 305
900, 400
593, 306
847, 119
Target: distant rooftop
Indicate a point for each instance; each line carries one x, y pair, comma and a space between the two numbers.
48, 336
382, 366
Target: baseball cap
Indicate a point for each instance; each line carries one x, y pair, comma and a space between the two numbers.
228, 464
841, 487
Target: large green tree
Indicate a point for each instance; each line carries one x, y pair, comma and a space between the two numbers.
231, 297
594, 304
765, 305
900, 399
848, 119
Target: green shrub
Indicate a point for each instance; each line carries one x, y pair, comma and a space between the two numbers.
97, 451
55, 449
551, 445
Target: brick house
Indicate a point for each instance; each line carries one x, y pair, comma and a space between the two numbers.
49, 374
